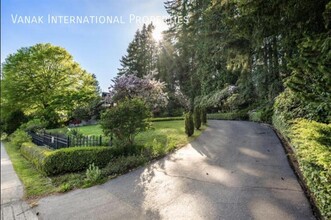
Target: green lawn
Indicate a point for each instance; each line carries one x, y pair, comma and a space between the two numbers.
86, 130
163, 137
171, 132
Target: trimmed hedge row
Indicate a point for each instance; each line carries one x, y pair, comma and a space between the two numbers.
167, 119
67, 159
311, 142
240, 115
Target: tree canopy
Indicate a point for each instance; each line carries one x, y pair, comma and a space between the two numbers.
255, 46
44, 81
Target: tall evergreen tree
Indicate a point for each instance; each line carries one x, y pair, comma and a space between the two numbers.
141, 57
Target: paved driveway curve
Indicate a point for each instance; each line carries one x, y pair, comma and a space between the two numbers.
234, 170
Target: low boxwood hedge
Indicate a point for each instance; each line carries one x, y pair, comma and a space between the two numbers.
167, 119
35, 154
67, 159
240, 115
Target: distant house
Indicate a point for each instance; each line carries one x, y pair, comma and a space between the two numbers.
105, 99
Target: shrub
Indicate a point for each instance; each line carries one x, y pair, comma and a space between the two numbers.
197, 118
266, 114
74, 132
93, 174
126, 120
65, 187
67, 159
203, 116
255, 116
35, 154
3, 136
262, 115
311, 142
240, 115
167, 119
14, 121
154, 149
123, 164
189, 124
34, 125
19, 137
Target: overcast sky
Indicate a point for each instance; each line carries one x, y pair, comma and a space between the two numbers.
97, 47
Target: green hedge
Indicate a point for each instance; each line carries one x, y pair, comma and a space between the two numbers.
311, 142
35, 154
167, 119
67, 159
240, 115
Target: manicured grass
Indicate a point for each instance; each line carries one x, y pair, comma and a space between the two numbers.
86, 130
164, 132
163, 137
168, 133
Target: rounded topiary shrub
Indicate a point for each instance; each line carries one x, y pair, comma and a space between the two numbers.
189, 124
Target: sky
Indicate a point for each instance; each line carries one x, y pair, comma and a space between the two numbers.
96, 47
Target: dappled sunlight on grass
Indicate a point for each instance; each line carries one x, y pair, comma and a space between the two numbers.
168, 133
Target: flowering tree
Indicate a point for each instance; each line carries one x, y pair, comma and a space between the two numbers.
148, 89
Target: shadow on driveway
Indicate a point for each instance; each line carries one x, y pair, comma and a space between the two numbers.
234, 170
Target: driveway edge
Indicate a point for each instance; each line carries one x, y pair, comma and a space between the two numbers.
295, 167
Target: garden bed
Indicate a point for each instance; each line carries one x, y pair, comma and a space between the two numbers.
164, 137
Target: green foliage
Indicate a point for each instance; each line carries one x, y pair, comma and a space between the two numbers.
197, 117
69, 181
35, 154
167, 119
35, 184
18, 138
262, 115
189, 124
34, 125
74, 132
82, 113
156, 148
44, 80
123, 164
3, 136
126, 120
216, 98
140, 58
14, 121
312, 143
67, 159
311, 75
289, 106
255, 116
88, 110
266, 114
203, 116
65, 187
93, 174
240, 115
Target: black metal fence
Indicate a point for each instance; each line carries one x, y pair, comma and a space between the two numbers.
57, 141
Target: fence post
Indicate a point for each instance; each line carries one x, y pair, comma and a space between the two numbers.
44, 136
100, 143
56, 141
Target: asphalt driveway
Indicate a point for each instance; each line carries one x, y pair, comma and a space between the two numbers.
234, 170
